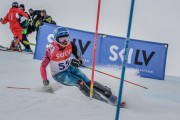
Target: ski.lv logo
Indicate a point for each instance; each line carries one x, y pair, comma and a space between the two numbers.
138, 53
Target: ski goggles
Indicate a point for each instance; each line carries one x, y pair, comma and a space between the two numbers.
62, 39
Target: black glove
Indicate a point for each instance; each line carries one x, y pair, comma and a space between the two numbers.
1, 19
75, 62
41, 23
45, 82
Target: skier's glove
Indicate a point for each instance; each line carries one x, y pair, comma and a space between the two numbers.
75, 62
45, 82
1, 19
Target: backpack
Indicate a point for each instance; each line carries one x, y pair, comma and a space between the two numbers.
23, 21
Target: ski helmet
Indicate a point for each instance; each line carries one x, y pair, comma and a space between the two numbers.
22, 6
61, 35
61, 32
30, 9
31, 12
15, 5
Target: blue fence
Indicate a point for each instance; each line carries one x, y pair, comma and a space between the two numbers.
148, 57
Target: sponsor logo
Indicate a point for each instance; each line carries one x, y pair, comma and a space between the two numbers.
64, 54
119, 53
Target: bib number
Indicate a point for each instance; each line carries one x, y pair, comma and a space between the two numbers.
64, 65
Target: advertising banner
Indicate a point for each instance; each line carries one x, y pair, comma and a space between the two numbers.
148, 57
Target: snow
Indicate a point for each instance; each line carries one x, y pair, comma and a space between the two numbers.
160, 101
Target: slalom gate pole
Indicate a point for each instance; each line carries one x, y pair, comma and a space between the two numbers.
124, 61
115, 77
94, 52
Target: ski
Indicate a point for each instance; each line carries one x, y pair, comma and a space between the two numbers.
46, 89
123, 105
27, 52
8, 50
2, 48
18, 88
99, 97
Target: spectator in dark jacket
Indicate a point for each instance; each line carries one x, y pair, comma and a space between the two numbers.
34, 16
25, 32
43, 19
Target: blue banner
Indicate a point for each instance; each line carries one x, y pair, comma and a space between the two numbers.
45, 37
148, 57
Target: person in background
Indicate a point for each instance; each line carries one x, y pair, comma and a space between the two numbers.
43, 19
34, 16
25, 41
65, 70
14, 24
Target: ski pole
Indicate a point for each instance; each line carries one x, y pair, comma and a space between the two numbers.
115, 77
18, 88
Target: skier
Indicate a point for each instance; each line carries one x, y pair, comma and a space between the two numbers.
15, 26
25, 41
65, 71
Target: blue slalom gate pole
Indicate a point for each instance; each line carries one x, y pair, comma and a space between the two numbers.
124, 60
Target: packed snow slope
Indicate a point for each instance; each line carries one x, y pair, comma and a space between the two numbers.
160, 102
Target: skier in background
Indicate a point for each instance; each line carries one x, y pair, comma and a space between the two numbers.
16, 29
25, 41
66, 71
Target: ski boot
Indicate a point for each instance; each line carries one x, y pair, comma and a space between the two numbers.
104, 90
113, 99
26, 50
15, 48
86, 91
